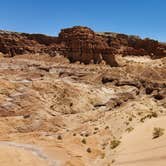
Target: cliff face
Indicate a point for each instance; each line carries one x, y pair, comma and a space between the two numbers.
133, 45
81, 44
85, 46
12, 43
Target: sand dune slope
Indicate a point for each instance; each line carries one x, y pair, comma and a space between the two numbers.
138, 148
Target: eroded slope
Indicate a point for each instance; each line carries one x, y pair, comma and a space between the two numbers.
73, 112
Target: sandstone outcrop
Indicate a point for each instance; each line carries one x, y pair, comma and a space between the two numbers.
81, 44
134, 45
13, 43
85, 46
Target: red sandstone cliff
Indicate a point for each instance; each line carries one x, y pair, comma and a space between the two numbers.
85, 46
133, 45
81, 44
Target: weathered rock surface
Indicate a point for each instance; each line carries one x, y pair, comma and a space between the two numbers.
85, 46
77, 44
69, 114
81, 44
134, 45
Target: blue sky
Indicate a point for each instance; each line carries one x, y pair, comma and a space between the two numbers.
146, 18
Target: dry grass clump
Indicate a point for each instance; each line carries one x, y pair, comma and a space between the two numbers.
114, 144
89, 150
149, 116
83, 141
157, 132
129, 129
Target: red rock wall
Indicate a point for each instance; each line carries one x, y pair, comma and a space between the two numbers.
85, 46
81, 44
133, 45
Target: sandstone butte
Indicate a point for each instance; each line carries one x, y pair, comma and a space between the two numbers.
82, 99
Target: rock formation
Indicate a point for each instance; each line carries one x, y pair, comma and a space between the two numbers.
134, 45
85, 46
81, 44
